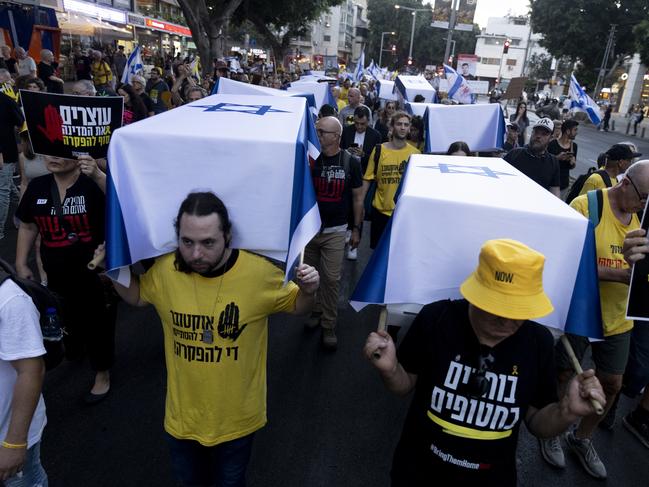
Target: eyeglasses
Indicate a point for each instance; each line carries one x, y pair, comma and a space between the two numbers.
640, 196
478, 384
320, 132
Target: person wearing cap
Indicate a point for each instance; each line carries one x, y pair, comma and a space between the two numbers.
618, 160
511, 137
618, 216
155, 88
478, 367
564, 148
535, 161
139, 83
102, 75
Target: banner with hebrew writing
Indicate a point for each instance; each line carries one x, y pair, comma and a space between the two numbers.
68, 126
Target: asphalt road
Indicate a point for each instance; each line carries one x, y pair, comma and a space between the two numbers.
331, 423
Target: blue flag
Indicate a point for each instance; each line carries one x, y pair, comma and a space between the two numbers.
582, 102
360, 67
133, 66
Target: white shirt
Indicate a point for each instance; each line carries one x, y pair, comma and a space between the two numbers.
20, 338
26, 66
359, 138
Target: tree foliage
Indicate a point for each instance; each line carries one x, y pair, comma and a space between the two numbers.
429, 42
578, 29
641, 32
540, 67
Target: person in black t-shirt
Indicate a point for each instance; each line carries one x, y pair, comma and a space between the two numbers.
47, 70
338, 185
535, 161
565, 150
66, 208
478, 368
10, 118
82, 64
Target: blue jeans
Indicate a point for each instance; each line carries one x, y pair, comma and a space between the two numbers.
636, 376
223, 465
33, 474
6, 185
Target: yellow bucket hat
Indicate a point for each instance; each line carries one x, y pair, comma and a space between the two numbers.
508, 281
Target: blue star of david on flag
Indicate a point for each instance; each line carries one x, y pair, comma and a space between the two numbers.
473, 170
237, 108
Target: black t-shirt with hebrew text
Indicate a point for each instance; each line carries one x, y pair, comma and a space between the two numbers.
451, 432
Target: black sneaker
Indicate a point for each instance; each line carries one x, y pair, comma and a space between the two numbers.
608, 422
638, 428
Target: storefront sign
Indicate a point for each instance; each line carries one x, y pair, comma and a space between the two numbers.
95, 11
137, 20
167, 27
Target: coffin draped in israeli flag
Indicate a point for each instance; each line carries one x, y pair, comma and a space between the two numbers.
408, 87
252, 151
386, 90
416, 109
482, 127
226, 86
448, 207
319, 90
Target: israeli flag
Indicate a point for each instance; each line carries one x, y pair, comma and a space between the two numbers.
252, 151
446, 124
373, 70
453, 205
360, 67
133, 66
320, 91
227, 86
458, 89
580, 101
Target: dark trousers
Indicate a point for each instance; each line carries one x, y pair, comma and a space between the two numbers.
379, 222
222, 465
89, 313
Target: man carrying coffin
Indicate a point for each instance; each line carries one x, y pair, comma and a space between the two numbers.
617, 217
478, 368
214, 303
535, 161
338, 185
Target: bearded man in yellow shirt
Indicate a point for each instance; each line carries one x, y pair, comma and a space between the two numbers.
214, 303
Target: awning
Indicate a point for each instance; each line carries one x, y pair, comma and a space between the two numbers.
86, 26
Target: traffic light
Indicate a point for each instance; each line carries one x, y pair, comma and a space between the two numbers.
394, 48
506, 46
409, 61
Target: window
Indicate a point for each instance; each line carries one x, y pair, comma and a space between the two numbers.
327, 38
490, 60
511, 62
490, 41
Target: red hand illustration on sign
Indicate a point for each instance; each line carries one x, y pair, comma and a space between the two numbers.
53, 124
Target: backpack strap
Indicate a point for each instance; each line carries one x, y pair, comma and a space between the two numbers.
595, 206
605, 177
377, 158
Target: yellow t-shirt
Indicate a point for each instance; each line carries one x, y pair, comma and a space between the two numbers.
341, 104
392, 164
343, 94
609, 237
101, 73
216, 391
594, 181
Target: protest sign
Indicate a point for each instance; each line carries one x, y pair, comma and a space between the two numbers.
68, 126
638, 305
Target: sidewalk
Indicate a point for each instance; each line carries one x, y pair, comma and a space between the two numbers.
623, 125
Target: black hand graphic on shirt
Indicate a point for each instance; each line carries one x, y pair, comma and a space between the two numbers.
228, 327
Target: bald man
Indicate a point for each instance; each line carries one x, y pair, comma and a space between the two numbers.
26, 64
47, 72
346, 115
338, 183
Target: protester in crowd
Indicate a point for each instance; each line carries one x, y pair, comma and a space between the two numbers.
607, 118
455, 350
7, 85
156, 88
84, 87
29, 83
340, 103
549, 110
184, 80
102, 76
639, 117
618, 160
338, 182
205, 277
119, 62
47, 72
386, 169
459, 148
565, 150
82, 64
344, 89
383, 120
346, 115
67, 245
22, 410
195, 93
416, 135
619, 206
556, 133
138, 83
26, 64
535, 161
520, 119
327, 111
134, 108
6, 61
360, 139
511, 140
11, 118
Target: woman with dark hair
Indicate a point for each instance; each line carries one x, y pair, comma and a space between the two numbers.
383, 121
134, 108
520, 119
458, 148
416, 135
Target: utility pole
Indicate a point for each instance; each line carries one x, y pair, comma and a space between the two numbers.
451, 26
602, 68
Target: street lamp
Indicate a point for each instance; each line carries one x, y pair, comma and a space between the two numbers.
414, 17
381, 51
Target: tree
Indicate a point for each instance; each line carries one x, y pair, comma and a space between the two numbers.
206, 19
277, 21
539, 67
641, 32
578, 30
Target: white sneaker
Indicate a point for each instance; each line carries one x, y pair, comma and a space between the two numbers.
352, 254
348, 236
